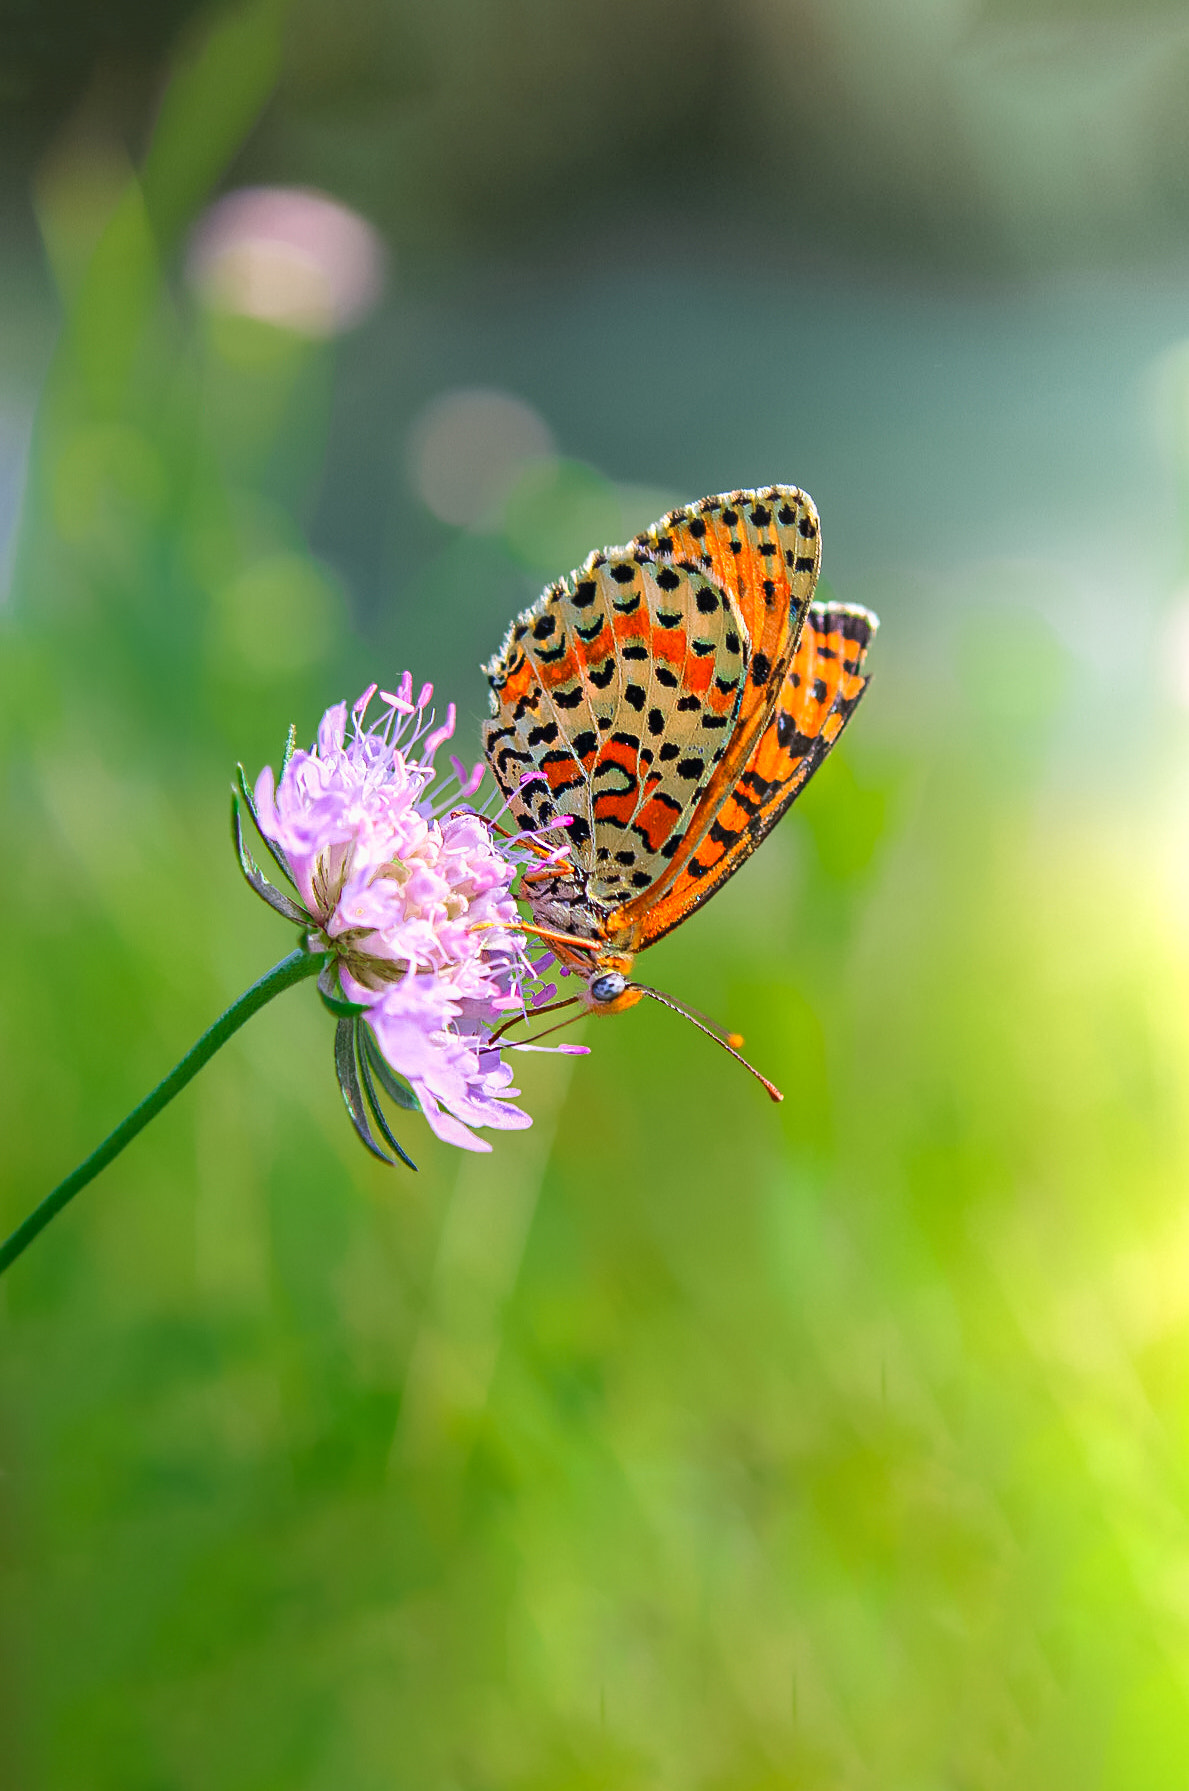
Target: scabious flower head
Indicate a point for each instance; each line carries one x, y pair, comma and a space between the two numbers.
409, 890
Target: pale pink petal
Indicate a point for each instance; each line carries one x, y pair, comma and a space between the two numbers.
423, 891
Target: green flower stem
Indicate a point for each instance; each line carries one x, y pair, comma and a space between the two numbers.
293, 969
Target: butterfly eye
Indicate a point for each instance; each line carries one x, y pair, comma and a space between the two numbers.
608, 986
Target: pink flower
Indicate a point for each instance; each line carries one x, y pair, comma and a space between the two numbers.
410, 894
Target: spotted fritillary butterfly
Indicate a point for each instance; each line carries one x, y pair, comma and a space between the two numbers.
671, 698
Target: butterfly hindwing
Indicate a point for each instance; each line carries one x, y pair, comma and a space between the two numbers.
820, 693
764, 548
618, 695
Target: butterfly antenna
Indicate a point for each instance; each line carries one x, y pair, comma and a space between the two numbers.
719, 1035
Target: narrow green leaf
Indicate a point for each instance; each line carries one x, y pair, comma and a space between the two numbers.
219, 86
274, 852
348, 1075
373, 1101
290, 747
276, 898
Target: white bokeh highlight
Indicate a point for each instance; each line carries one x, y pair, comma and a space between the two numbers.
1176, 647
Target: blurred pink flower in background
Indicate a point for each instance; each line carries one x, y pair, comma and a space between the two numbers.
287, 256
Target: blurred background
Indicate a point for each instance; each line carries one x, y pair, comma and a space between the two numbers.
683, 1443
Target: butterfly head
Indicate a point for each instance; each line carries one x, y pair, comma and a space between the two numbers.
608, 991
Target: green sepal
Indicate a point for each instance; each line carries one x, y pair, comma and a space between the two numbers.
336, 1003
373, 1100
348, 1075
290, 747
274, 852
394, 1086
276, 898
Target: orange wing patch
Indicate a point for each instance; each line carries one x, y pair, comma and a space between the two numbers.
820, 694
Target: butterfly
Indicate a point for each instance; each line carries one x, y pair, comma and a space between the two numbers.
665, 704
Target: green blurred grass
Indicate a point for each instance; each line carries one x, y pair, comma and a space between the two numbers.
683, 1442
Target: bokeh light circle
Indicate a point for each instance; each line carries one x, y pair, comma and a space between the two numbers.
468, 451
287, 256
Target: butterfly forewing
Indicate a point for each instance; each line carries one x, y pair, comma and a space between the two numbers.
620, 691
764, 547
820, 693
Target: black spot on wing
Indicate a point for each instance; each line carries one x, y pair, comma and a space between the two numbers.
723, 836
790, 738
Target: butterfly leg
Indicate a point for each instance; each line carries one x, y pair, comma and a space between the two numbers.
550, 1007
544, 871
